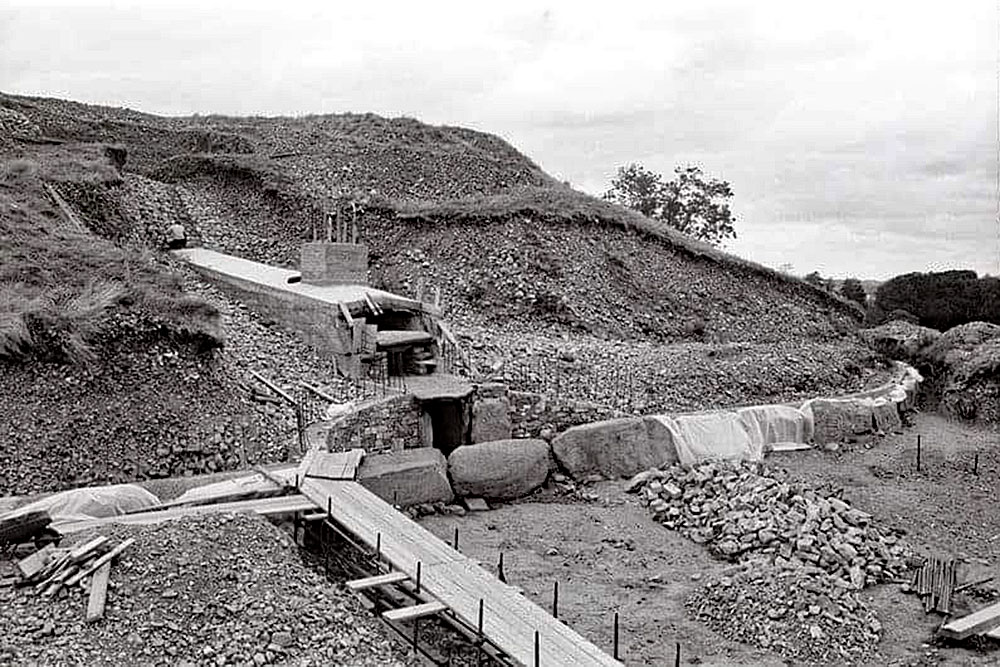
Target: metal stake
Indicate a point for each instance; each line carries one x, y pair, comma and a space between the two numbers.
918, 453
378, 547
500, 573
416, 630
479, 643
677, 656
418, 577
454, 543
616, 637
555, 599
537, 641
975, 464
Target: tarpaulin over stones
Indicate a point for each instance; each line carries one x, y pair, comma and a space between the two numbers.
776, 424
92, 503
716, 435
838, 420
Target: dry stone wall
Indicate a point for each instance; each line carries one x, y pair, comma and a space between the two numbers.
538, 416
390, 424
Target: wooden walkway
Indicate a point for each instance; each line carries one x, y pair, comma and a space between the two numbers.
510, 620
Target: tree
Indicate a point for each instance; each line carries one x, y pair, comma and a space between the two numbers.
690, 203
853, 289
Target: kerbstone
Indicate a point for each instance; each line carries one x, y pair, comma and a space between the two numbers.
410, 477
500, 470
491, 420
613, 448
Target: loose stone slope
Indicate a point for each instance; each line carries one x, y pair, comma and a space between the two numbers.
212, 590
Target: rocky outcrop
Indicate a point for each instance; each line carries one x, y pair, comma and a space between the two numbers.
410, 477
613, 448
500, 470
900, 340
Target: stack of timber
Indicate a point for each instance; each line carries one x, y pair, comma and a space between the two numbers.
935, 583
51, 570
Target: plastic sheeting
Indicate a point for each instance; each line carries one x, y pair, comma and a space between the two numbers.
716, 435
92, 503
776, 424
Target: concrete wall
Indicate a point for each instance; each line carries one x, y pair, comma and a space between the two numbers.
325, 263
317, 323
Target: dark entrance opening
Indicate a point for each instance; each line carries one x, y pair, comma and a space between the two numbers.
448, 423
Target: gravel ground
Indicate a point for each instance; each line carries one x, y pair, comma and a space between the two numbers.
218, 590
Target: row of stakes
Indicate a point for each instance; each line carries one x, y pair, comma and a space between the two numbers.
502, 576
975, 458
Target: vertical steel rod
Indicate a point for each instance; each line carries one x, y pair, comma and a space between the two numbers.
555, 599
918, 453
677, 656
479, 643
537, 642
616, 637
418, 577
454, 543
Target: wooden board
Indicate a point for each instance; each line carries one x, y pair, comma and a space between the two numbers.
983, 620
33, 564
416, 611
98, 593
335, 465
264, 507
377, 580
510, 619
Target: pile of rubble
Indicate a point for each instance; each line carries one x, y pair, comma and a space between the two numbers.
736, 510
211, 590
802, 615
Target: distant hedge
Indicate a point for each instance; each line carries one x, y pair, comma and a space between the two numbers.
939, 300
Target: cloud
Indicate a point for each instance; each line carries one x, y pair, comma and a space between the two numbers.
859, 137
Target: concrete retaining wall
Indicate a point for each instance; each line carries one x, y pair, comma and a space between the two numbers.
315, 322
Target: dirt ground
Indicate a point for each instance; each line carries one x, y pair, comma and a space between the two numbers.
609, 556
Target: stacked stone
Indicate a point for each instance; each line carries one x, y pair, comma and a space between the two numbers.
799, 614
738, 510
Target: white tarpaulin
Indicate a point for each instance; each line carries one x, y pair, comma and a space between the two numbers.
716, 435
776, 424
92, 503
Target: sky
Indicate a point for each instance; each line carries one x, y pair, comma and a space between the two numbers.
860, 137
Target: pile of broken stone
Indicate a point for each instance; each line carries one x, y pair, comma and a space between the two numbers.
803, 555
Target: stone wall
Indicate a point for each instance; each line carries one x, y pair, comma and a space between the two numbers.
539, 416
389, 424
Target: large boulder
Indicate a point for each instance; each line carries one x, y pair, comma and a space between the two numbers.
500, 470
613, 448
491, 420
410, 477
838, 420
886, 414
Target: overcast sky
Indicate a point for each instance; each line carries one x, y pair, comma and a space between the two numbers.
860, 137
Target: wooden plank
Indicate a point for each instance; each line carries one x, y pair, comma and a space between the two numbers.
983, 620
36, 562
334, 465
273, 387
346, 313
106, 558
377, 580
264, 507
81, 553
416, 611
456, 581
98, 593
